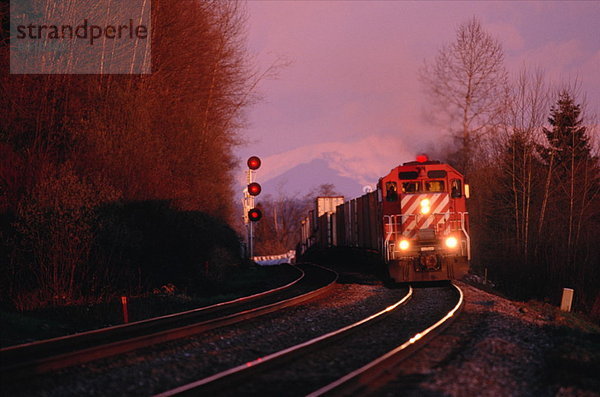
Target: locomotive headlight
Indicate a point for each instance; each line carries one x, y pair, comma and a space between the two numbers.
403, 245
425, 206
451, 242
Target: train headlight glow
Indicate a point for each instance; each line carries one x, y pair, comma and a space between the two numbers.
403, 245
425, 206
451, 242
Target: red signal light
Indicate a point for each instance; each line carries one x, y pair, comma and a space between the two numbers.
254, 163
255, 214
422, 158
254, 189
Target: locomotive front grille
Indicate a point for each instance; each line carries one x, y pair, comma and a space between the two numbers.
426, 235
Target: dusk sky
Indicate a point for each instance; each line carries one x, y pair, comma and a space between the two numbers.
351, 96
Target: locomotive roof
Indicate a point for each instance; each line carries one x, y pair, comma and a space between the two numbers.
429, 164
422, 162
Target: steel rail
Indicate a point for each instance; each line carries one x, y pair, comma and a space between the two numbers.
361, 381
41, 356
150, 321
240, 372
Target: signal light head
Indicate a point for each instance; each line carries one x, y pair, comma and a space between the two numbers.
254, 215
254, 163
254, 189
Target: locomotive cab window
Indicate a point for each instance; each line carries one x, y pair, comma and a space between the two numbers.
434, 186
391, 191
410, 187
456, 188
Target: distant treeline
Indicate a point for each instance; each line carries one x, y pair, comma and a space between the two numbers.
106, 181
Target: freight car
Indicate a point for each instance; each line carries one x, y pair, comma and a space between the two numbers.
416, 220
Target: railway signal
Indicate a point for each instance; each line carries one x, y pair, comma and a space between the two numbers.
253, 189
254, 215
254, 163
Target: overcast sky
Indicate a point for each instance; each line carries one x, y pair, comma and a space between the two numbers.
351, 89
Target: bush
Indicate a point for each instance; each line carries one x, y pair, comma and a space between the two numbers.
131, 248
145, 245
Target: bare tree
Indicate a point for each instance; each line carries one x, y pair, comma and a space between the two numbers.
466, 83
280, 228
523, 119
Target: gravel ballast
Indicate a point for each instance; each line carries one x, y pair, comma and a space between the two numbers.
498, 347
310, 372
153, 370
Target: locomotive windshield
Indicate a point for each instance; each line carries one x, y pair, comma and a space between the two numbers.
428, 186
434, 186
411, 187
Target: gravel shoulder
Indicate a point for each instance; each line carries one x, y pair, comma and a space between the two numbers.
498, 347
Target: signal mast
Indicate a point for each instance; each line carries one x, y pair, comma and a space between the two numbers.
253, 189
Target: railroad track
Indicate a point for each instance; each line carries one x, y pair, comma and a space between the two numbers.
353, 360
43, 356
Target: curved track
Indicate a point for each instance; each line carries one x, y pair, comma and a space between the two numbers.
369, 377
313, 365
38, 357
237, 374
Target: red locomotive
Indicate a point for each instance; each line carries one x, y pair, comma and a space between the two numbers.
416, 219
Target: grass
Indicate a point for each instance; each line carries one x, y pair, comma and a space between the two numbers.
574, 320
52, 322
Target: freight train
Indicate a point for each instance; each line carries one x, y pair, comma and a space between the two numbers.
416, 219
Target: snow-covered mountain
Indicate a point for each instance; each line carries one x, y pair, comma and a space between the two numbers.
349, 166
305, 177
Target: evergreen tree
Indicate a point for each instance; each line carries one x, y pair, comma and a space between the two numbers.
567, 139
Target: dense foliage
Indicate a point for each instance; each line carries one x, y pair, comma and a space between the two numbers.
98, 172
